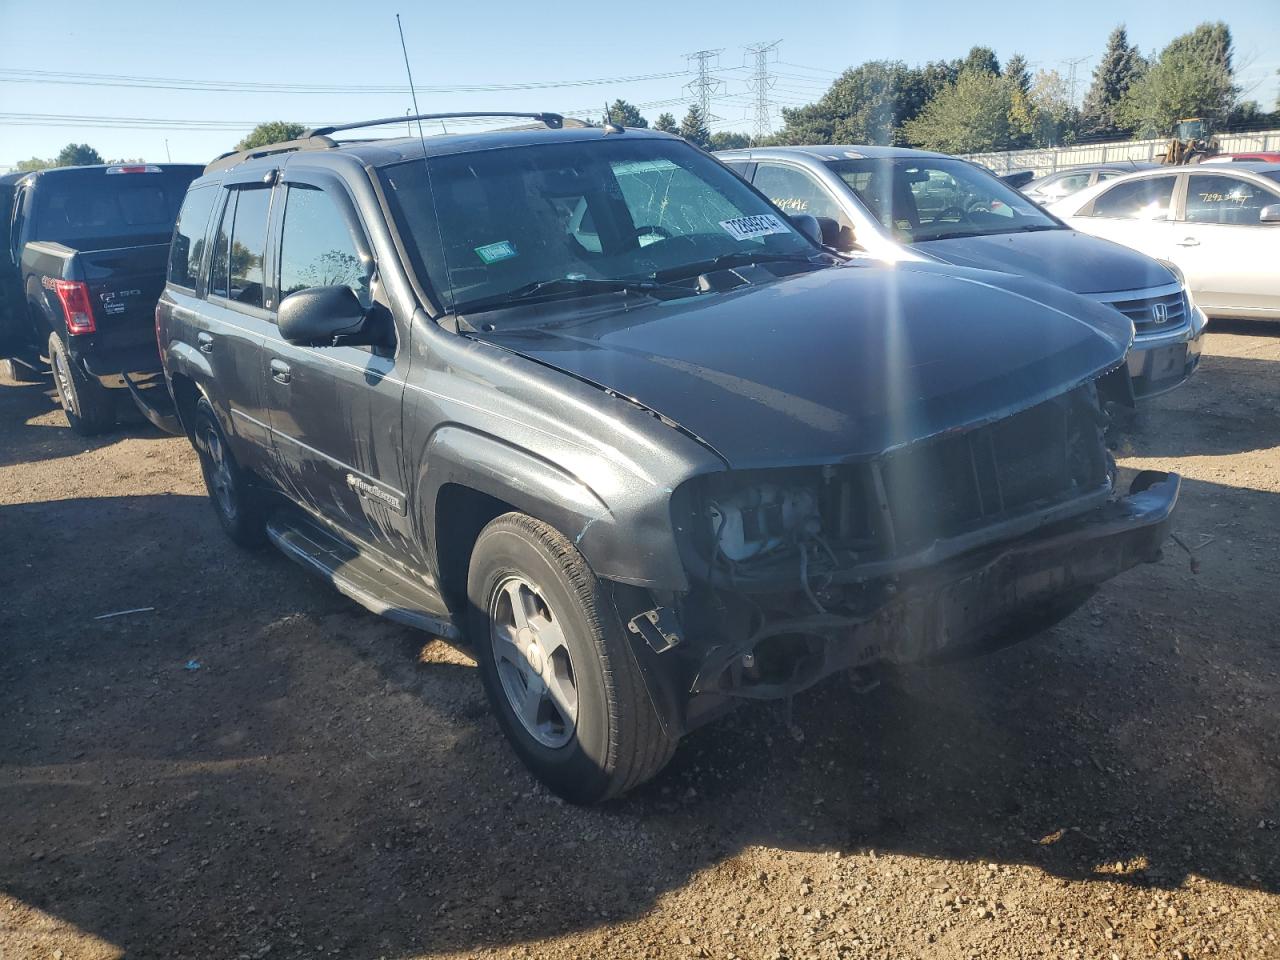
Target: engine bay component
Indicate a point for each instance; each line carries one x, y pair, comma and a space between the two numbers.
762, 518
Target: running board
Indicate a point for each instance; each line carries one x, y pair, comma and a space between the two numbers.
362, 576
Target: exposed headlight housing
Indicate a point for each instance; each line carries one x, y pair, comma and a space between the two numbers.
762, 517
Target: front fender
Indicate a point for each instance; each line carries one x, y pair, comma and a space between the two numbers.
633, 547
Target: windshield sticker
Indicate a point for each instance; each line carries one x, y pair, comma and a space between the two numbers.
748, 228
493, 252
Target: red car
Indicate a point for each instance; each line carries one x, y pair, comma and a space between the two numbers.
1266, 156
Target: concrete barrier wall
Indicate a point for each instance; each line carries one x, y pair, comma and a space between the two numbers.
1047, 160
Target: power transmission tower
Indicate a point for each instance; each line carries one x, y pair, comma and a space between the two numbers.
705, 86
760, 83
1071, 75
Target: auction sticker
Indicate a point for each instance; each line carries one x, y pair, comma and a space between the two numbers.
748, 228
493, 252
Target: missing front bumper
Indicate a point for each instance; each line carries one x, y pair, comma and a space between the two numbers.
975, 602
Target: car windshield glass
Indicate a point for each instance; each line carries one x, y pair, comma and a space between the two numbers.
92, 208
494, 224
934, 198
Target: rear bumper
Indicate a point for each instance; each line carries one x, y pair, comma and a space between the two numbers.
975, 602
112, 363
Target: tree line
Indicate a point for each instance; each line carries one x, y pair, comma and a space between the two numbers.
975, 103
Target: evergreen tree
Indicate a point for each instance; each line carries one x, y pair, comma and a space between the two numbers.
626, 114
666, 123
694, 127
981, 58
1193, 77
77, 155
1016, 72
1121, 66
35, 163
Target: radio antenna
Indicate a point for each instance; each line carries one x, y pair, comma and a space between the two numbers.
412, 92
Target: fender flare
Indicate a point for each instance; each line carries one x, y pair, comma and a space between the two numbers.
542, 489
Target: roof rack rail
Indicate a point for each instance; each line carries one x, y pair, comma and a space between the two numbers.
308, 141
553, 120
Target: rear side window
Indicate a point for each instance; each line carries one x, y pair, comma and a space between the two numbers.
1225, 200
187, 250
237, 271
317, 248
1147, 199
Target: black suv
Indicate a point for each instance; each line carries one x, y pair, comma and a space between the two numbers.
587, 398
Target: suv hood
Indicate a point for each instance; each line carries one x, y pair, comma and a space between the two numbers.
1076, 261
838, 364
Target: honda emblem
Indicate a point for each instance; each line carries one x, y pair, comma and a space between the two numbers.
1159, 313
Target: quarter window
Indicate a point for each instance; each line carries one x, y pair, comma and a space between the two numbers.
1147, 199
317, 246
187, 250
1226, 200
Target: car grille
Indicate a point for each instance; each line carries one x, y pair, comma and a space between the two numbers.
1144, 310
1046, 455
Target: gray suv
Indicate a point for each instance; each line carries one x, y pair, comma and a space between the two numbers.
586, 399
898, 204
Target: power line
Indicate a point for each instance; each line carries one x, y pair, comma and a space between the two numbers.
760, 83
704, 85
235, 86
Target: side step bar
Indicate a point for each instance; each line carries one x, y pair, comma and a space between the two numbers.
362, 576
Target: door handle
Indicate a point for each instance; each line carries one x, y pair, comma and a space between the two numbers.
280, 371
1188, 242
205, 341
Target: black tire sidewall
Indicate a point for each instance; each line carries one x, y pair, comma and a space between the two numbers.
92, 409
580, 770
245, 528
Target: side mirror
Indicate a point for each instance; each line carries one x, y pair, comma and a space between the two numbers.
808, 225
1270, 213
836, 235
323, 317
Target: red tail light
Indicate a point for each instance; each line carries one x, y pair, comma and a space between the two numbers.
76, 305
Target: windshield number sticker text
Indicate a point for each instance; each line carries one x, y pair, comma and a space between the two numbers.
748, 228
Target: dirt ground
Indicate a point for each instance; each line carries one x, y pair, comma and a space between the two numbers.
259, 768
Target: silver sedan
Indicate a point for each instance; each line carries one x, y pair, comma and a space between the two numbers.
1219, 225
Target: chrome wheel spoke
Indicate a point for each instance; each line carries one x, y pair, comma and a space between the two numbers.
533, 663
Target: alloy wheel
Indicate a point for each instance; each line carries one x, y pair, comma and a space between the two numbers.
533, 662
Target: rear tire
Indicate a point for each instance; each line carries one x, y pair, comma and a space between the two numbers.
240, 507
89, 406
544, 631
20, 373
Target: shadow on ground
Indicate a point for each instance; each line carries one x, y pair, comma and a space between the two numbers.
324, 781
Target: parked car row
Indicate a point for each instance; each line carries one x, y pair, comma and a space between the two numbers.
910, 205
648, 440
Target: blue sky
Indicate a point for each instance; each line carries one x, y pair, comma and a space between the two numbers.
497, 42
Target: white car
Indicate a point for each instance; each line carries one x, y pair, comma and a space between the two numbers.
1220, 226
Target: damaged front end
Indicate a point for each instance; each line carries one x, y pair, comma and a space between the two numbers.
956, 544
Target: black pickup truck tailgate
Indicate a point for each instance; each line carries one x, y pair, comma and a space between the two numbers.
124, 285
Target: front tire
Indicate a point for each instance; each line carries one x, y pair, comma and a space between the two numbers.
89, 406
239, 505
558, 669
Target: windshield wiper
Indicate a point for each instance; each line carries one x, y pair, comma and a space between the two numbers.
741, 258
563, 287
